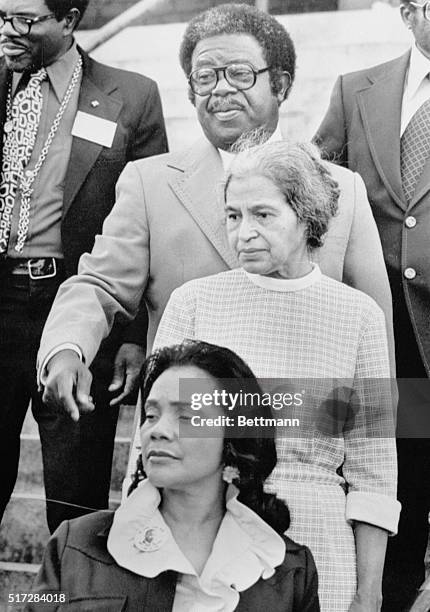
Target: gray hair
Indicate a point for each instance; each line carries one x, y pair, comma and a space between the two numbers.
299, 173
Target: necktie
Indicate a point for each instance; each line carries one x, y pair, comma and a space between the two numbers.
415, 149
19, 137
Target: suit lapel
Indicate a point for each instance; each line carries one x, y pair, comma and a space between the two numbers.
198, 189
84, 153
380, 107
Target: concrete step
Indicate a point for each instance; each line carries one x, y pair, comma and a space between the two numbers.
23, 532
15, 578
30, 474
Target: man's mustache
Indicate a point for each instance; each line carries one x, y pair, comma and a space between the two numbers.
224, 104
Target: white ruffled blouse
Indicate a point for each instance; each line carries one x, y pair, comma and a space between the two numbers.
245, 550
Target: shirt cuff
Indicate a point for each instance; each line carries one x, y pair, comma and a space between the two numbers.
373, 508
66, 346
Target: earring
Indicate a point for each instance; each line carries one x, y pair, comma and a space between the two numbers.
230, 473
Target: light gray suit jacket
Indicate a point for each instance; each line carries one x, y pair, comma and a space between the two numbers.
167, 227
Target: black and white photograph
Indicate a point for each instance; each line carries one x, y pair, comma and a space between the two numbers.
214, 305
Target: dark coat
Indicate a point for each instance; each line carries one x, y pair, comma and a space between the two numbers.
77, 562
133, 102
361, 130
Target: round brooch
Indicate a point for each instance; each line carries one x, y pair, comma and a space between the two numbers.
150, 539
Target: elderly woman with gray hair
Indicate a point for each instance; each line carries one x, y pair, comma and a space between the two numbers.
337, 471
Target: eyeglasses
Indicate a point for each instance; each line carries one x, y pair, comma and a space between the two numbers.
23, 25
425, 7
240, 76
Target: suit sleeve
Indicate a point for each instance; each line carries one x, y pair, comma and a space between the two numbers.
110, 280
332, 136
48, 578
177, 322
149, 138
364, 265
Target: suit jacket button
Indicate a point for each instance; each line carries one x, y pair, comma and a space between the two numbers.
410, 222
410, 273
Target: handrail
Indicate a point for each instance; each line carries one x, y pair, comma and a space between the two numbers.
116, 25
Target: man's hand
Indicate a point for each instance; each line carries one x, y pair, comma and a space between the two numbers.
68, 384
128, 363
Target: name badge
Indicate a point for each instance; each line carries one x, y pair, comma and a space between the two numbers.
94, 129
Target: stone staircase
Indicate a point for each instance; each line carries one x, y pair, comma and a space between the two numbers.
23, 532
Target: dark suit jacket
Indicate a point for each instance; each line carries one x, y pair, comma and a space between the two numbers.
362, 131
77, 562
133, 102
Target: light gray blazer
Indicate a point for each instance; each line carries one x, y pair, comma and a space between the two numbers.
167, 227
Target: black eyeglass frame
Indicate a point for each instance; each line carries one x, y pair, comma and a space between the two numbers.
223, 69
27, 21
425, 7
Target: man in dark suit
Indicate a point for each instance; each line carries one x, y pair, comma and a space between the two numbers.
378, 124
70, 125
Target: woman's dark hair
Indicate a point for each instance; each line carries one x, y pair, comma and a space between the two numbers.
255, 457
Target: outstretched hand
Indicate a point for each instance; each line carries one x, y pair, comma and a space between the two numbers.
68, 384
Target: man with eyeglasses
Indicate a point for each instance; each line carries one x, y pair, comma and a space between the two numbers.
69, 126
167, 225
378, 124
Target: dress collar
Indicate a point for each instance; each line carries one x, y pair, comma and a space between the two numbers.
286, 284
245, 548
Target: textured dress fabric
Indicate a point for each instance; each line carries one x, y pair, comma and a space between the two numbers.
313, 330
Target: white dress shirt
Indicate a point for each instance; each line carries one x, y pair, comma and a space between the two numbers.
417, 86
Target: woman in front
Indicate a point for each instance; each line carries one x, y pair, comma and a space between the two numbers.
198, 534
286, 319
